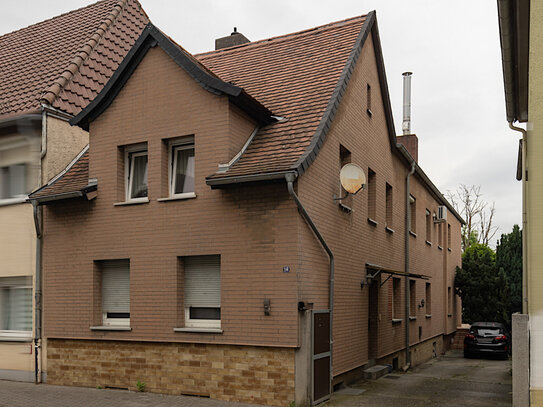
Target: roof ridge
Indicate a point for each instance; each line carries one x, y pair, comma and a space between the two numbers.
52, 92
283, 36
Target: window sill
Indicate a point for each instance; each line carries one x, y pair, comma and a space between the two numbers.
440, 248
412, 318
345, 208
396, 320
449, 249
369, 112
372, 222
200, 330
110, 328
132, 202
389, 230
178, 197
412, 233
16, 338
428, 243
428, 316
13, 201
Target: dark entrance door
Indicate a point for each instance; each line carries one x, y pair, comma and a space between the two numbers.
321, 353
373, 320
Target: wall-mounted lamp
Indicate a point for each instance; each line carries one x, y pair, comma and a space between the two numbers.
267, 306
304, 306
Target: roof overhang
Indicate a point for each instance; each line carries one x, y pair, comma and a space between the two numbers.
216, 183
88, 193
514, 22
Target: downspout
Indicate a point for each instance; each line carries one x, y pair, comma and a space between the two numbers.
524, 219
37, 294
38, 288
407, 229
290, 178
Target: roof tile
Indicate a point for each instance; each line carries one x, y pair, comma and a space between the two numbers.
294, 76
43, 62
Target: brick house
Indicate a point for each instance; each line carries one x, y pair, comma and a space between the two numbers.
195, 244
49, 71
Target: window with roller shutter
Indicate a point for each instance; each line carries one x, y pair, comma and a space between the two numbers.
202, 291
115, 292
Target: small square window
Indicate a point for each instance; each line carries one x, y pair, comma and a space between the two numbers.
182, 169
136, 174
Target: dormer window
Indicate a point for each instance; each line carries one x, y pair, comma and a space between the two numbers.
182, 168
136, 173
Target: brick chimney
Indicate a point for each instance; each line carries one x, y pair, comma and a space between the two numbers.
231, 41
411, 142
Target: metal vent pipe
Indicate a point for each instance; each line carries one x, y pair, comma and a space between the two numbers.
406, 124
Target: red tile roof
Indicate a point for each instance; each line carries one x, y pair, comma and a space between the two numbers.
296, 76
65, 61
292, 75
74, 178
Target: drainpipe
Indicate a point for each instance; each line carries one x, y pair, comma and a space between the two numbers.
407, 229
524, 219
290, 178
37, 294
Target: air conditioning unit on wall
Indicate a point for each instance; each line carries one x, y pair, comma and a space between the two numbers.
441, 214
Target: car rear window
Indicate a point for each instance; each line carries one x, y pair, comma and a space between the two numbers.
487, 331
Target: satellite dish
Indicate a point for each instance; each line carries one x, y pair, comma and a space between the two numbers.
352, 178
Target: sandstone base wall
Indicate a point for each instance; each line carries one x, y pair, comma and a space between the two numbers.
248, 374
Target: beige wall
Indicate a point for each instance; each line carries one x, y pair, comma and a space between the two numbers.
17, 241
534, 202
64, 142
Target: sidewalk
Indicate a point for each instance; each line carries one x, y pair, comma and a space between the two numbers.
16, 394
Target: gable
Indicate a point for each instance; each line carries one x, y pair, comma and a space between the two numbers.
156, 93
150, 38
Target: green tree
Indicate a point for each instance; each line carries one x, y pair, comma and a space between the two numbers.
483, 290
509, 262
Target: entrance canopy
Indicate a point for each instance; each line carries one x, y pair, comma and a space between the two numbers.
373, 271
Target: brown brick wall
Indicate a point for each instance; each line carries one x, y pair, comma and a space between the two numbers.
355, 241
233, 373
253, 229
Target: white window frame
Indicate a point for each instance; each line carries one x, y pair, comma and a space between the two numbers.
130, 154
13, 334
113, 321
200, 323
179, 144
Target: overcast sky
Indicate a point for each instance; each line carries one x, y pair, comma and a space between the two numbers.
452, 48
